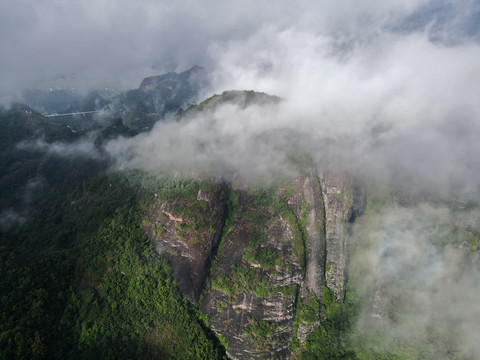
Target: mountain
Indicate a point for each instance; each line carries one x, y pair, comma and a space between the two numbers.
21, 169
139, 108
242, 99
62, 101
160, 95
20, 122
104, 263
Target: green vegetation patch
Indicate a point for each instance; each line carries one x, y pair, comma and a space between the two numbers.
159, 229
330, 340
309, 311
261, 334
276, 204
247, 279
165, 188
135, 300
81, 281
192, 220
266, 257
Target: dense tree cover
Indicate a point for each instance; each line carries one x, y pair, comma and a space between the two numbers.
20, 122
78, 277
330, 340
80, 280
131, 307
33, 291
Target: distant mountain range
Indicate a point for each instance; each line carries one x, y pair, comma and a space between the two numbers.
139, 108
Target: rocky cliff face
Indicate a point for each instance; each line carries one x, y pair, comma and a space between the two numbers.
251, 300
307, 204
338, 201
158, 96
189, 81
277, 250
187, 234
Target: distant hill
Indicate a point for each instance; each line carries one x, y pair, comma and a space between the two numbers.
21, 122
139, 108
241, 98
159, 95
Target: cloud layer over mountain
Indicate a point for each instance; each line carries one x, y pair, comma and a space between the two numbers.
386, 90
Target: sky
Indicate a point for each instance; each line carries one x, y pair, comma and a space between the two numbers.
98, 40
382, 89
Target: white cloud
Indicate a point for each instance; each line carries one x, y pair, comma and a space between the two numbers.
381, 88
84, 147
418, 259
122, 40
398, 104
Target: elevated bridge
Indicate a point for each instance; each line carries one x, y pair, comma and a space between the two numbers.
72, 113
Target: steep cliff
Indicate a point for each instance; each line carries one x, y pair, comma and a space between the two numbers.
187, 231
268, 266
305, 199
255, 279
338, 201
158, 96
307, 204
278, 249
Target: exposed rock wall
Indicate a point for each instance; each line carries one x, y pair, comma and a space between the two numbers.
277, 253
307, 203
338, 200
187, 234
252, 299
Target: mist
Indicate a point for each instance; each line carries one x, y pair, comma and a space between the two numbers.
10, 218
83, 44
400, 106
84, 147
387, 92
416, 267
384, 102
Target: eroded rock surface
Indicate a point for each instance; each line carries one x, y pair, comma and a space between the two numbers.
276, 253
255, 282
338, 200
187, 234
307, 203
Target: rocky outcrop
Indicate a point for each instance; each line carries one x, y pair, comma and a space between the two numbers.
307, 203
187, 234
160, 95
277, 253
359, 200
174, 81
204, 195
255, 280
338, 199
323, 204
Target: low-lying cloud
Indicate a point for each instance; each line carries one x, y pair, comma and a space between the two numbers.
84, 147
416, 268
384, 90
84, 43
10, 218
399, 105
